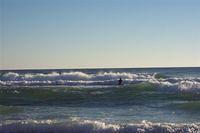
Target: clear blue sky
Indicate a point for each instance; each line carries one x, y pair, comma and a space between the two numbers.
99, 33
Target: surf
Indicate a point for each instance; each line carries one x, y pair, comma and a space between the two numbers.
86, 126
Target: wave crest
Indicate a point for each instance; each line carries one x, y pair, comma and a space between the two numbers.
97, 127
101, 78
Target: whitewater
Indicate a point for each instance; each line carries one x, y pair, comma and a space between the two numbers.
89, 100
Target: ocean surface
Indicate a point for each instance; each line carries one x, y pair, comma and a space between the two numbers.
89, 100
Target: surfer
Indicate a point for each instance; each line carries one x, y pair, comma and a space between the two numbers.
120, 81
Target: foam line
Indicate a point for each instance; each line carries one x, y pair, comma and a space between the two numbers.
97, 127
103, 78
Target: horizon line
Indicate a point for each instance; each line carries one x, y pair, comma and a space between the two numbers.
82, 68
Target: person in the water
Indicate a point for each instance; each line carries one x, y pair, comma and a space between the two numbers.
120, 81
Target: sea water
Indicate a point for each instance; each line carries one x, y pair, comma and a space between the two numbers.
90, 100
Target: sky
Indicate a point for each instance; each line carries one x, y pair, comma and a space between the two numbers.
39, 34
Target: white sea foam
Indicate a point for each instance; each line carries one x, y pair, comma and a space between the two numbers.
188, 85
87, 126
101, 78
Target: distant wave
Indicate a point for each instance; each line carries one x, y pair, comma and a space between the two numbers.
101, 78
88, 126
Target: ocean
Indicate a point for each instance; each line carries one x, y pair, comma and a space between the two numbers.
90, 100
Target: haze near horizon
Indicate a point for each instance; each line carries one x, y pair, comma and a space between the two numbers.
99, 34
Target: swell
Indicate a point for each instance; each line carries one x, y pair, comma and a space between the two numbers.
6, 110
137, 94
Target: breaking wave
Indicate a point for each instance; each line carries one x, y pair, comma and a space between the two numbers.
101, 78
88, 126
